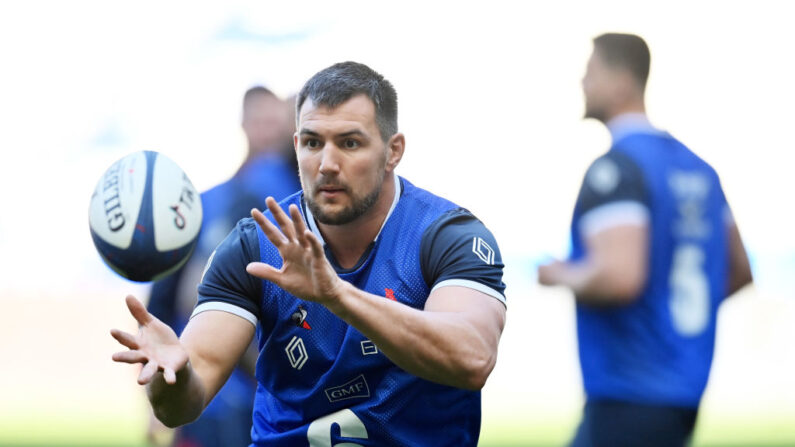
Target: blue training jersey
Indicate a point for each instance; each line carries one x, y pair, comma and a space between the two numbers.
320, 381
658, 349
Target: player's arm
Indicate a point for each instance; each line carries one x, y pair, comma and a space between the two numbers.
739, 266
614, 270
214, 342
614, 226
183, 374
453, 341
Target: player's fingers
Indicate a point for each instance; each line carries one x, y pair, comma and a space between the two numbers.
129, 357
147, 372
124, 338
317, 247
263, 271
271, 232
300, 226
138, 311
281, 217
169, 375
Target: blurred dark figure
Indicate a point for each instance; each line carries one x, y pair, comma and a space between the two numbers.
268, 170
288, 146
654, 252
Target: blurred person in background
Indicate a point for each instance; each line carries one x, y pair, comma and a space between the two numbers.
378, 306
655, 250
267, 171
289, 146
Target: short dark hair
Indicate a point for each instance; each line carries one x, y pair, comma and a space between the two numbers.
256, 90
340, 82
626, 51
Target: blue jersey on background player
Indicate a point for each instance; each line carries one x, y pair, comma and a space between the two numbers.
378, 306
657, 349
654, 253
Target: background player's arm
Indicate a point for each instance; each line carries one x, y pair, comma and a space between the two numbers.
614, 224
162, 299
182, 375
614, 270
739, 267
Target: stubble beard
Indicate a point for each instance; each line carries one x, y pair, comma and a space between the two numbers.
358, 207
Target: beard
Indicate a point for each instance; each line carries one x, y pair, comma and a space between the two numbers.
359, 205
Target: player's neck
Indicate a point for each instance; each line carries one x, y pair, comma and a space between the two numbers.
622, 109
348, 242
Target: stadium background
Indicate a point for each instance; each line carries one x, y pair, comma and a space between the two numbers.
491, 105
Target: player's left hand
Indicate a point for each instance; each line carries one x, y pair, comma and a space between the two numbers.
305, 271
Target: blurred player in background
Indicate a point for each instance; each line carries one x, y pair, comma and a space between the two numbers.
266, 171
654, 252
378, 306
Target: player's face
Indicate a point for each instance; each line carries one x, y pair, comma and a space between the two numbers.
341, 159
265, 120
597, 88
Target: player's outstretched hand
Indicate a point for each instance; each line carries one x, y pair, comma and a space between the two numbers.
156, 346
305, 271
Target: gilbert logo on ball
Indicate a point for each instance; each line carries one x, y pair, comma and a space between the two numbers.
145, 216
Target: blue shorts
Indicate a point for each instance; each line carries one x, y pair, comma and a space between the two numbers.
617, 424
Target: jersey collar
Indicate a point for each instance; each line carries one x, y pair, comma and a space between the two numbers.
310, 219
630, 123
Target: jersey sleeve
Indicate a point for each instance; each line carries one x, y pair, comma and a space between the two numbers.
458, 250
225, 284
613, 193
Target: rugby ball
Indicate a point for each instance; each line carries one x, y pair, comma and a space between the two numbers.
145, 216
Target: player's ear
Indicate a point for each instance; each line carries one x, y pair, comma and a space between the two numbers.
395, 147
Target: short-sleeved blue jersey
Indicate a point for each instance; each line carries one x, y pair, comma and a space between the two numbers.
658, 349
320, 381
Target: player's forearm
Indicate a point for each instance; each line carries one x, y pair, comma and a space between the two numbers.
600, 284
180, 403
438, 346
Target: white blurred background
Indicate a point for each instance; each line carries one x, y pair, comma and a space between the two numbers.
491, 106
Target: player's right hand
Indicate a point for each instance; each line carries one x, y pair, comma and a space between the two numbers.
305, 271
156, 346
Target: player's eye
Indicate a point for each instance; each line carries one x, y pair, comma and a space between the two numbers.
351, 144
312, 143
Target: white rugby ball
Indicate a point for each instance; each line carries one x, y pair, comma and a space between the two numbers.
145, 216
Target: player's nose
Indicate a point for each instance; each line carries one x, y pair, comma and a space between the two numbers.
329, 159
